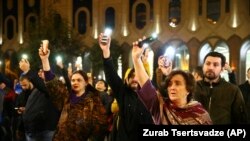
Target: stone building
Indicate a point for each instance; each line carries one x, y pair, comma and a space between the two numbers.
187, 29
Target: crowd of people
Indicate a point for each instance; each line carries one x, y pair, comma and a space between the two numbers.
45, 108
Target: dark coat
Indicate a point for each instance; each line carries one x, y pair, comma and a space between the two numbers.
245, 89
223, 101
39, 114
81, 120
132, 112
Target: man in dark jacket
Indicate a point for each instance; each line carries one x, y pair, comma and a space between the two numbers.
223, 100
245, 89
132, 112
39, 115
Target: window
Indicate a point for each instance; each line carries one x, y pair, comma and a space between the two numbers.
10, 29
213, 11
140, 16
200, 7
110, 18
174, 13
32, 23
82, 21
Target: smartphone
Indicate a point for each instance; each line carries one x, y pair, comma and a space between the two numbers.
45, 45
104, 39
167, 61
147, 41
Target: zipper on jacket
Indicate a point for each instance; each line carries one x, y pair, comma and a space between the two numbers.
209, 104
210, 98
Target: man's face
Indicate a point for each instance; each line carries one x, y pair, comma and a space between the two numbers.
133, 82
212, 68
25, 84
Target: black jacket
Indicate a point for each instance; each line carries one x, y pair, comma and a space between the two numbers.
245, 89
223, 101
132, 112
40, 114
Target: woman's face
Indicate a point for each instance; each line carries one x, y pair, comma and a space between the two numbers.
177, 91
78, 84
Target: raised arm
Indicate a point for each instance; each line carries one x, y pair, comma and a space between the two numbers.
56, 89
140, 71
113, 79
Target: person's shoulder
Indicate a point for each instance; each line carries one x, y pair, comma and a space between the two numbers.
228, 84
244, 84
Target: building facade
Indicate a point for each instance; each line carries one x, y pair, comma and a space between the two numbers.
187, 29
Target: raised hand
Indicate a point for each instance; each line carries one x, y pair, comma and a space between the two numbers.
44, 58
165, 65
105, 46
136, 50
42, 54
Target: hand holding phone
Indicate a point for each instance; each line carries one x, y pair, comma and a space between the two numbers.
107, 33
147, 40
164, 61
104, 39
45, 46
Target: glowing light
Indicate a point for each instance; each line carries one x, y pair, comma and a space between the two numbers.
108, 31
24, 56
58, 59
1, 38
95, 34
157, 29
145, 45
193, 28
154, 35
21, 39
78, 63
234, 22
169, 51
125, 32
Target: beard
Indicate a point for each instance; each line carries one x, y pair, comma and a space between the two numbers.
133, 85
210, 75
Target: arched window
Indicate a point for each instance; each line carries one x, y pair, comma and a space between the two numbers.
178, 52
57, 20
222, 48
174, 13
205, 49
110, 18
140, 16
182, 57
213, 10
82, 21
248, 59
10, 29
31, 23
244, 60
227, 6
